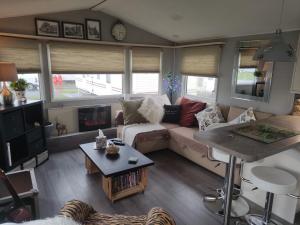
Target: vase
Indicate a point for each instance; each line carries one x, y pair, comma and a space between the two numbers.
20, 95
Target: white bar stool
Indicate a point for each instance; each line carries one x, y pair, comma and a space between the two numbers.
239, 205
273, 181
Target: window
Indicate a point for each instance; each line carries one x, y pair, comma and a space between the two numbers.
33, 89
146, 83
26, 55
85, 70
202, 87
145, 70
70, 86
200, 67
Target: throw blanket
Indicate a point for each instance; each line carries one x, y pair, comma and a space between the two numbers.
58, 220
130, 131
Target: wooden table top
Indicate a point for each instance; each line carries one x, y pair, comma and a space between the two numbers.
249, 149
110, 166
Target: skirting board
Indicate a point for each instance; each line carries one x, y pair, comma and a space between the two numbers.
72, 141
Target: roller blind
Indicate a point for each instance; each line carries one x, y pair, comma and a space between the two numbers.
201, 61
246, 58
23, 52
86, 58
146, 60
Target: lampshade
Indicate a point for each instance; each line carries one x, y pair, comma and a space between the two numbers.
277, 51
8, 71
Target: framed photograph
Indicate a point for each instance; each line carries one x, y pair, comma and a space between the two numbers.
73, 30
47, 27
93, 29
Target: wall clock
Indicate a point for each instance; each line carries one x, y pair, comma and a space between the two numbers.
118, 31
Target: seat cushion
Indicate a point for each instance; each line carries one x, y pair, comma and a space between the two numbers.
169, 126
273, 180
185, 136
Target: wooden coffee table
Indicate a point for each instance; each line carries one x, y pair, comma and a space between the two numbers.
119, 178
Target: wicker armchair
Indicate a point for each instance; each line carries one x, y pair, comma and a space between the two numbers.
85, 214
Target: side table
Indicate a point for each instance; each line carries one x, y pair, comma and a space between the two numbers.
25, 185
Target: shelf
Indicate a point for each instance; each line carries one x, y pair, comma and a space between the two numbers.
128, 191
17, 128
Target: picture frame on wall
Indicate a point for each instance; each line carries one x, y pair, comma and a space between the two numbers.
44, 27
73, 30
93, 29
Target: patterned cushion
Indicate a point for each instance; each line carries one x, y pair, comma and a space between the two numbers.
159, 216
209, 116
85, 214
77, 210
172, 113
246, 116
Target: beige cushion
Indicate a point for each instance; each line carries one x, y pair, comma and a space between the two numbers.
170, 125
130, 112
185, 136
234, 112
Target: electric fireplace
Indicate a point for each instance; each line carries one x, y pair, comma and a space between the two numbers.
94, 117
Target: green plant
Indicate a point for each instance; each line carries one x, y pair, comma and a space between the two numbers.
19, 85
258, 73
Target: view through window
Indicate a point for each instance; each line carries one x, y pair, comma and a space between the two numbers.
145, 83
70, 86
201, 87
33, 89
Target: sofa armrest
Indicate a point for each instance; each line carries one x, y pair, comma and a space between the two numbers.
76, 210
119, 119
159, 216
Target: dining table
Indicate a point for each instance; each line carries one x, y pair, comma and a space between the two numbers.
248, 149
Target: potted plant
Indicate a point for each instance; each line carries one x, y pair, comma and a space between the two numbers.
259, 75
19, 87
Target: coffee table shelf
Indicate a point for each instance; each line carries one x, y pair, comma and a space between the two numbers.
117, 173
113, 196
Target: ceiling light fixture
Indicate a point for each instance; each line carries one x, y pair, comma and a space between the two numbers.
278, 50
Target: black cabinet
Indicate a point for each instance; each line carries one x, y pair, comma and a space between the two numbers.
22, 135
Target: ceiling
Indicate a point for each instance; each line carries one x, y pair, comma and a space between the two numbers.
178, 20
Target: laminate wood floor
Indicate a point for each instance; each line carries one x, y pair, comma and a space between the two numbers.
175, 183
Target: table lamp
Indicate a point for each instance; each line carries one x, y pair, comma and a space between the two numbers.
8, 72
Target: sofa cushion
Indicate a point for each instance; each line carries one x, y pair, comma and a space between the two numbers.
169, 126
188, 110
130, 112
172, 113
234, 112
244, 117
185, 136
209, 116
152, 110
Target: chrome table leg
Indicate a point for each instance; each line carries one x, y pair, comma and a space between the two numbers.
229, 190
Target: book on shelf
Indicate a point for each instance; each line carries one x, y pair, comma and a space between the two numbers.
126, 181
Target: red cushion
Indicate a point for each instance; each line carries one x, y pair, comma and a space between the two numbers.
188, 110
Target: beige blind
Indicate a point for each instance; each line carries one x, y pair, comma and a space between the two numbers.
246, 58
146, 60
201, 61
23, 52
86, 58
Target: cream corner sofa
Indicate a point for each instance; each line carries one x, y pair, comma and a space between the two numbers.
180, 140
